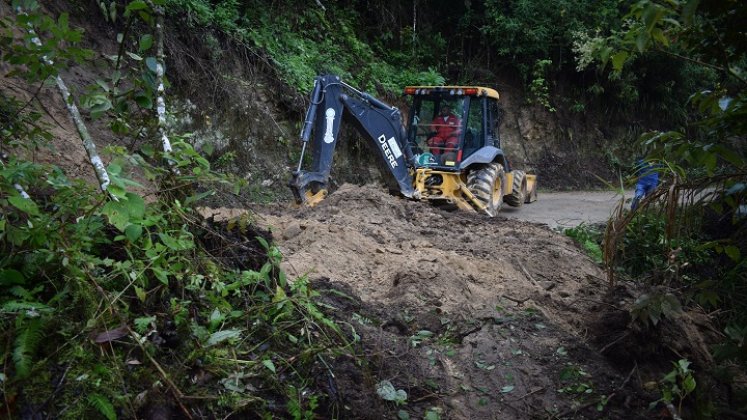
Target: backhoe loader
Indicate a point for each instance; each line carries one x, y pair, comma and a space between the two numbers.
448, 151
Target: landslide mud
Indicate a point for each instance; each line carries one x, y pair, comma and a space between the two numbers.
473, 317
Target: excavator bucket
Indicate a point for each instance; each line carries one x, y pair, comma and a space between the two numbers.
307, 192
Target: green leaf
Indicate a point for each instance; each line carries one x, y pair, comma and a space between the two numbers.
102, 404
117, 214
26, 205
641, 41
141, 295
689, 384
10, 277
24, 347
161, 275
197, 197
506, 389
152, 64
618, 60
18, 307
176, 244
431, 415
733, 253
142, 324
659, 36
221, 336
386, 391
269, 365
135, 206
136, 5
144, 100
652, 15
146, 41
170, 242
263, 242
134, 56
688, 11
133, 232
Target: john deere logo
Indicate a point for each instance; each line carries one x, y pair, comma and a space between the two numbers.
328, 137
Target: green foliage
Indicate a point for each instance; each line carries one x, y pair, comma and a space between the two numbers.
651, 307
302, 405
528, 31
28, 336
677, 385
735, 348
55, 46
577, 383
83, 273
102, 404
692, 239
302, 41
589, 237
538, 88
388, 392
705, 249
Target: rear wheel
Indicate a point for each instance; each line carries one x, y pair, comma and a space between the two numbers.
518, 190
531, 196
486, 183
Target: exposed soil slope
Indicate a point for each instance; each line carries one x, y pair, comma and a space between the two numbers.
471, 316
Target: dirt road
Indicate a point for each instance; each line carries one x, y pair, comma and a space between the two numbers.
567, 209
473, 317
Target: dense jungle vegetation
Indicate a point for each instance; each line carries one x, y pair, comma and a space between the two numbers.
91, 274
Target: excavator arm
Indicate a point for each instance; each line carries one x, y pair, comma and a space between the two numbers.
373, 118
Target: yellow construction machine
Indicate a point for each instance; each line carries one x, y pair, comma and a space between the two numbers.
447, 151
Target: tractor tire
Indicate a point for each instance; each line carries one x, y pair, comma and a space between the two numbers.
486, 183
518, 190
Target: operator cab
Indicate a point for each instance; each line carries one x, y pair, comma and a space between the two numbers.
447, 124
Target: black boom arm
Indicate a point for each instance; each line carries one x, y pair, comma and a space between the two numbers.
375, 120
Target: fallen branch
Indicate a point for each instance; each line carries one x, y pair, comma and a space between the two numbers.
526, 273
615, 341
530, 393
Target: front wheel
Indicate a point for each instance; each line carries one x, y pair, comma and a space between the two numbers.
486, 183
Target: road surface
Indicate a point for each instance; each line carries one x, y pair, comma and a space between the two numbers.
561, 210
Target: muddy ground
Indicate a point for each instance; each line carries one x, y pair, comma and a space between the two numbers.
473, 317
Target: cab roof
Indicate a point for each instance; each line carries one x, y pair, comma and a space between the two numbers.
453, 90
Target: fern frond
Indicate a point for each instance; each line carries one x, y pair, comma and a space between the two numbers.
102, 404
14, 307
28, 338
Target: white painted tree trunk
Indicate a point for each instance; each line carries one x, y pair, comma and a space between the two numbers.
88, 144
161, 97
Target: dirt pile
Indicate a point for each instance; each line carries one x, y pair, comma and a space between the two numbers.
472, 317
